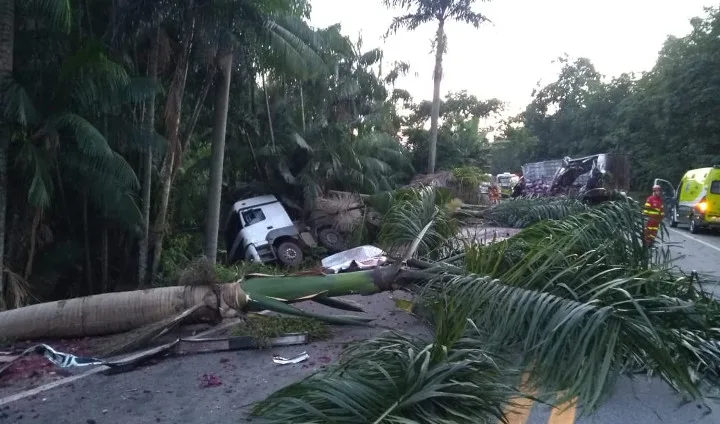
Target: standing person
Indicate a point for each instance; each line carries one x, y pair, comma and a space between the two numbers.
519, 188
494, 192
655, 213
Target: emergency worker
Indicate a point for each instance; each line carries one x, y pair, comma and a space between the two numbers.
655, 213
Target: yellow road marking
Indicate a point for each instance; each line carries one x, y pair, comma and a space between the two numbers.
518, 411
564, 414
519, 408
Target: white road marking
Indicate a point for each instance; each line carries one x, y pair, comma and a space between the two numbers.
704, 243
51, 385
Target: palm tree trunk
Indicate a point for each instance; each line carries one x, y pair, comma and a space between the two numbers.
33, 244
112, 313
302, 107
173, 111
222, 98
267, 108
7, 33
86, 237
147, 166
105, 261
198, 108
435, 111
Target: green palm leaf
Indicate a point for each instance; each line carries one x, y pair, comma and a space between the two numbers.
87, 138
57, 12
397, 378
19, 107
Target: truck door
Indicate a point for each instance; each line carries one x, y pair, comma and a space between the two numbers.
669, 196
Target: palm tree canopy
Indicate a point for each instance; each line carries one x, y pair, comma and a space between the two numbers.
423, 11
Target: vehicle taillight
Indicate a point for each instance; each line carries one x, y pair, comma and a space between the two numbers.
702, 206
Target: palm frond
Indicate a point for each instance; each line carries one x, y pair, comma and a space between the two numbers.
57, 12
88, 139
127, 137
19, 107
579, 341
409, 212
288, 50
40, 190
521, 212
397, 378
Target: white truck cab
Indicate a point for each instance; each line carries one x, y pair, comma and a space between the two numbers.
259, 229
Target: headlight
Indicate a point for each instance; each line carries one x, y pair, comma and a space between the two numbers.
702, 206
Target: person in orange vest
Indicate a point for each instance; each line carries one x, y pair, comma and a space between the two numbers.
655, 213
494, 194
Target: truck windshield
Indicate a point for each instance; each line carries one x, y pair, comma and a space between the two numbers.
504, 180
252, 216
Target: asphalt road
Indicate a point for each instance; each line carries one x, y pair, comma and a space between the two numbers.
169, 392
642, 400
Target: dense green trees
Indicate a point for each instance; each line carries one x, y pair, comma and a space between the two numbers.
109, 111
113, 171
665, 119
440, 12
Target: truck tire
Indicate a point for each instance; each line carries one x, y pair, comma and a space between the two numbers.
289, 253
694, 227
331, 240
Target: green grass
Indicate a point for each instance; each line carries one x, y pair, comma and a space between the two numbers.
265, 328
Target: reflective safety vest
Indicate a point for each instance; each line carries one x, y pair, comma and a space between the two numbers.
654, 208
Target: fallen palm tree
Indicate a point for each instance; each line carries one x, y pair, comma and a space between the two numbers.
113, 313
119, 312
579, 299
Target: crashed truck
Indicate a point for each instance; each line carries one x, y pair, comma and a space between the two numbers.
594, 178
259, 229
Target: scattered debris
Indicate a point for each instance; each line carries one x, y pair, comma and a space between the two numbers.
357, 258
179, 346
296, 360
209, 380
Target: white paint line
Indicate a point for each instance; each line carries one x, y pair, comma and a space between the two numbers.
704, 243
52, 385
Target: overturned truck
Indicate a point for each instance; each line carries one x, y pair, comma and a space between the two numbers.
595, 178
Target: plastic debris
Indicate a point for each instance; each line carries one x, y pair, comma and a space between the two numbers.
296, 360
357, 258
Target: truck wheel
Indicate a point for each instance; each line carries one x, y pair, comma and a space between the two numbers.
289, 253
693, 226
331, 240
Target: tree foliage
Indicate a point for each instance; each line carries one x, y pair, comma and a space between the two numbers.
665, 119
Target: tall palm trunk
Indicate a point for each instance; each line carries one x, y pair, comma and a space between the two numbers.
7, 33
173, 111
111, 313
435, 111
147, 165
267, 108
222, 98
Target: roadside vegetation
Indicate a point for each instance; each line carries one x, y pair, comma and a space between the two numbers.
575, 300
129, 129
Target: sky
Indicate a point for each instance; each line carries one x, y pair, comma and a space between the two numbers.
508, 57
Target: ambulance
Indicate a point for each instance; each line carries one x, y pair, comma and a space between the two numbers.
696, 201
